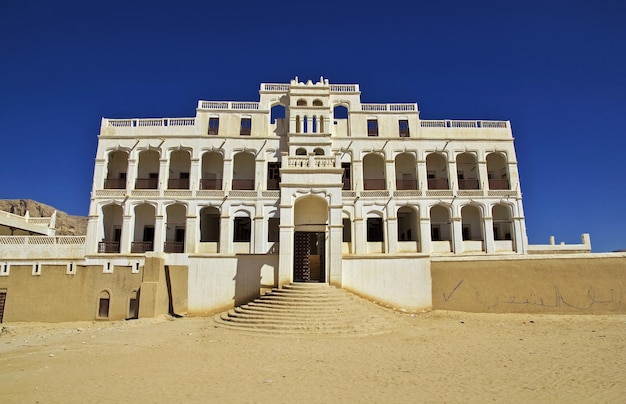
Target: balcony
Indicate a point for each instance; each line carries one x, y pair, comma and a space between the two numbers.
109, 247
377, 184
178, 183
406, 185
115, 183
147, 183
469, 184
438, 183
243, 185
210, 183
174, 247
499, 184
141, 246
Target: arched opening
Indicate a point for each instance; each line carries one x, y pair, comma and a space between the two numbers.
407, 228
497, 171
112, 217
502, 228
243, 171
176, 227
314, 124
180, 165
440, 229
103, 304
340, 112
300, 151
437, 171
143, 239
317, 103
373, 172
472, 228
346, 247
301, 102
467, 171
318, 151
242, 232
277, 112
212, 170
117, 168
375, 233
305, 120
148, 170
310, 220
209, 230
406, 175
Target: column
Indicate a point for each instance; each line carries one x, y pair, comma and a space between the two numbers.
131, 176
159, 233
490, 245
392, 235
257, 243
127, 234
422, 178
425, 235
390, 175
195, 174
457, 235
260, 174
357, 175
226, 236
163, 175
227, 175
99, 174
335, 239
95, 229
191, 233
483, 176
453, 176
359, 238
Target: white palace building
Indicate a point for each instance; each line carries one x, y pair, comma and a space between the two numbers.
308, 184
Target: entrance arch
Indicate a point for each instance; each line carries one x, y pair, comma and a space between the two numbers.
310, 227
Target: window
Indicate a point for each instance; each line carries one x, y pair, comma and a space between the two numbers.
272, 229
246, 126
36, 269
4, 269
403, 126
273, 175
374, 229
242, 230
300, 151
214, 126
372, 127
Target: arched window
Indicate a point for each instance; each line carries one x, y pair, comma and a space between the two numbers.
277, 112
116, 170
242, 229
148, 170
440, 223
209, 224
375, 232
437, 171
145, 215
243, 171
373, 172
212, 170
406, 177
407, 224
112, 219
467, 171
300, 151
180, 165
318, 151
317, 103
472, 223
502, 227
340, 112
497, 171
301, 102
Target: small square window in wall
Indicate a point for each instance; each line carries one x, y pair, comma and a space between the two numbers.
36, 269
107, 268
246, 126
372, 127
135, 268
71, 269
4, 269
403, 126
214, 126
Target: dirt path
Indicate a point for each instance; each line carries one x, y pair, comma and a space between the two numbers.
432, 357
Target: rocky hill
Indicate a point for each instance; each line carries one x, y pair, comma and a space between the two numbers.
67, 225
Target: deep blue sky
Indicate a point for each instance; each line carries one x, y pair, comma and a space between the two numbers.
555, 69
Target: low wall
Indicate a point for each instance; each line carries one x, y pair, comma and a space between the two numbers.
56, 295
393, 280
217, 283
582, 283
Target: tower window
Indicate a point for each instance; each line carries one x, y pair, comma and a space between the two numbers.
214, 126
403, 126
246, 126
372, 127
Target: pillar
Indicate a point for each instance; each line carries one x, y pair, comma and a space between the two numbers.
425, 235
195, 174
490, 246
127, 234
159, 233
457, 235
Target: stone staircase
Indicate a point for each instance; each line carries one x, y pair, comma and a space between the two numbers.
307, 308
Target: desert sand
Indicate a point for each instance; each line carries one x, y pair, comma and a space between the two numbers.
430, 357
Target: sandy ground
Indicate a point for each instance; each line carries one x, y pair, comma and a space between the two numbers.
432, 357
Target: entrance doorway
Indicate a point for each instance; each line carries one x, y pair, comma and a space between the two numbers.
309, 257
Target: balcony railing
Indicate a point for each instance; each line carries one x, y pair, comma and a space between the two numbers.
109, 247
210, 183
146, 183
174, 247
178, 183
115, 183
406, 185
438, 183
378, 184
469, 184
499, 183
247, 185
141, 246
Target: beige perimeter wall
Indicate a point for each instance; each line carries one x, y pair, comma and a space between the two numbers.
584, 284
